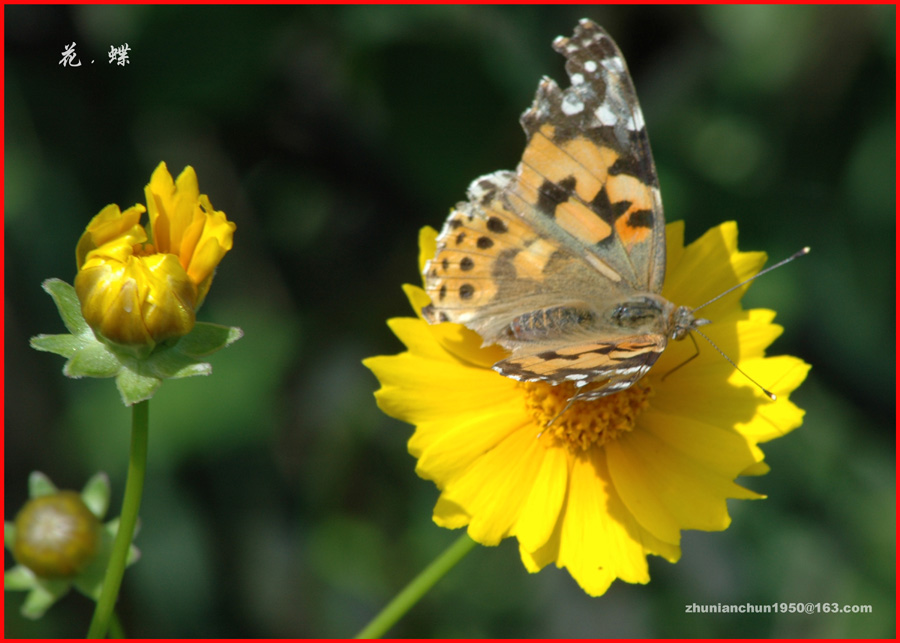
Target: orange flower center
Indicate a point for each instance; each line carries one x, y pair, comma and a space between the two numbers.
586, 423
143, 249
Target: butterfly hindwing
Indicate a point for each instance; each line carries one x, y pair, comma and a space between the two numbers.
622, 362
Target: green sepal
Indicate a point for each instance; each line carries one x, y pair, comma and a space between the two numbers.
9, 534
18, 578
87, 356
44, 592
95, 494
137, 377
40, 485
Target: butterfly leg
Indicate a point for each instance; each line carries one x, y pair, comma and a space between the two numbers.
696, 354
607, 387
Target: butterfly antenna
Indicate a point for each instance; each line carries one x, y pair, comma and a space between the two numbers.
768, 393
799, 253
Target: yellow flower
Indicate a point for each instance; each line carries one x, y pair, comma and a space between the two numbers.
612, 480
139, 289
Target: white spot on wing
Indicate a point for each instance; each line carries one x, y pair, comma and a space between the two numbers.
634, 369
605, 270
571, 105
636, 122
590, 66
605, 115
614, 64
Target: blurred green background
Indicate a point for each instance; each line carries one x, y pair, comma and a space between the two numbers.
280, 502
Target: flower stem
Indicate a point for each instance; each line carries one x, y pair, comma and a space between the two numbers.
131, 504
417, 588
115, 628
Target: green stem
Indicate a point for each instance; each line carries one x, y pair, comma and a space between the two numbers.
131, 504
417, 588
115, 628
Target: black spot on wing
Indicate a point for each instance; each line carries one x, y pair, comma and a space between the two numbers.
489, 190
496, 225
641, 219
550, 355
620, 207
551, 194
627, 165
603, 208
484, 243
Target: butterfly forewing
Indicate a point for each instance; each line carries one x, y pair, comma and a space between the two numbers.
556, 262
588, 157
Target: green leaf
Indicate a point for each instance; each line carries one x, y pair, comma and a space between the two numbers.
68, 305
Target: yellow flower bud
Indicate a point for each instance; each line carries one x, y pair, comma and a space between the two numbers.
57, 536
138, 289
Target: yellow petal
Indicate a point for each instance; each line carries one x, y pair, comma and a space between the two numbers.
456, 338
419, 339
447, 451
449, 515
417, 297
136, 301
717, 247
674, 244
171, 206
544, 501
111, 225
702, 391
111, 295
417, 390
205, 243
170, 301
493, 489
776, 419
600, 540
427, 246
668, 484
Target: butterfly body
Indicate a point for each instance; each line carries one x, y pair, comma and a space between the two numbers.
563, 261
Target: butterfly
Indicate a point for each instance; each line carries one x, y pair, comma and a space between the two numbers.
563, 261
